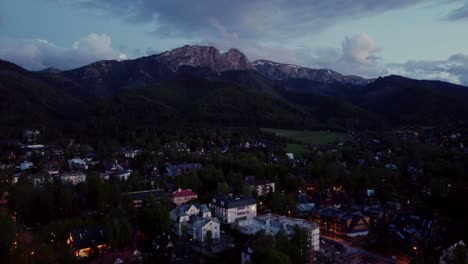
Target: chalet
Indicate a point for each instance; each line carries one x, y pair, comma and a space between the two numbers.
305, 209
151, 170
341, 223
73, 178
31, 135
77, 164
26, 165
113, 167
130, 153
122, 175
51, 168
163, 247
83, 241
142, 198
11, 156
261, 186
39, 180
272, 224
183, 196
411, 230
195, 220
182, 169
230, 210
36, 148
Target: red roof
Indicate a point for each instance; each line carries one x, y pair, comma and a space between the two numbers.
183, 193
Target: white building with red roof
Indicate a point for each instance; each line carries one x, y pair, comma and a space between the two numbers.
182, 196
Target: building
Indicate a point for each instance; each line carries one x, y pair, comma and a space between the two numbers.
271, 224
77, 164
261, 186
182, 169
84, 241
31, 135
334, 221
122, 175
412, 231
230, 210
73, 178
195, 221
142, 198
26, 165
182, 196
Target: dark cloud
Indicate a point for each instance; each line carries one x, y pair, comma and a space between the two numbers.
460, 13
454, 69
37, 54
248, 18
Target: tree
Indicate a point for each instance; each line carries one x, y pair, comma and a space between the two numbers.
299, 249
223, 188
155, 218
209, 239
118, 233
68, 203
7, 231
270, 255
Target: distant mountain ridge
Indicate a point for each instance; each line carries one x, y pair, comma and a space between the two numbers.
203, 85
282, 71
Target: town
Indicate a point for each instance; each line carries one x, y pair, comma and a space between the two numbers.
235, 196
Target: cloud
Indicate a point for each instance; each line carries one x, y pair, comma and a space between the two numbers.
454, 69
359, 49
249, 18
358, 54
37, 54
460, 13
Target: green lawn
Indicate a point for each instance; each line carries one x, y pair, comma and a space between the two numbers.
307, 136
296, 149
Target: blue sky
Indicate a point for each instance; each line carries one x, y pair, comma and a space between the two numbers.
421, 39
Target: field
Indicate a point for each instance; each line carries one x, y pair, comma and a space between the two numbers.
307, 136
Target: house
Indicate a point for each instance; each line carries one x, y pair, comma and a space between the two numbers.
77, 164
151, 170
230, 210
113, 167
73, 178
163, 247
195, 221
142, 198
26, 165
261, 186
450, 255
39, 180
182, 196
271, 224
83, 241
35, 148
182, 169
122, 175
130, 153
201, 227
337, 222
411, 230
246, 253
31, 135
51, 168
305, 209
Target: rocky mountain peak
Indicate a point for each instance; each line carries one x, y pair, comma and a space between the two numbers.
205, 56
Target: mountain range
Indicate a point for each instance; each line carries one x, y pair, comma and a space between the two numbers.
201, 85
